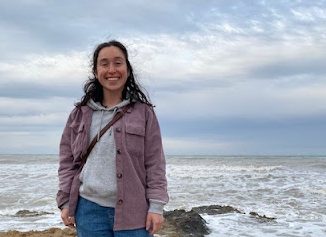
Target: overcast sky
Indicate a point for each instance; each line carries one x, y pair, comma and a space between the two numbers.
227, 77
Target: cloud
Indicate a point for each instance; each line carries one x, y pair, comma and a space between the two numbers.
38, 26
258, 99
309, 15
64, 68
42, 76
233, 79
243, 136
20, 142
34, 114
174, 61
192, 146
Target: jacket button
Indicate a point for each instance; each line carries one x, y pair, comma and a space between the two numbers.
120, 201
118, 151
119, 175
118, 129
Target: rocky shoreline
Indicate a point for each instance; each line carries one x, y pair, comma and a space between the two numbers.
191, 224
178, 223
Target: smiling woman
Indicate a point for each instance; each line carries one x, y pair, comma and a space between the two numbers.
112, 72
112, 168
110, 62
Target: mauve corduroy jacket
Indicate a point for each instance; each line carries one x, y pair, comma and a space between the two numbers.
140, 163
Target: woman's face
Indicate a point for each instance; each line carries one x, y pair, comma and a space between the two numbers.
111, 70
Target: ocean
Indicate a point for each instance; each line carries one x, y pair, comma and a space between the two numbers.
291, 189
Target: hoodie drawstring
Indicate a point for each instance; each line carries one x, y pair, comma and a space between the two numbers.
99, 130
101, 121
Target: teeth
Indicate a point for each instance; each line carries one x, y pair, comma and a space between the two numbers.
112, 78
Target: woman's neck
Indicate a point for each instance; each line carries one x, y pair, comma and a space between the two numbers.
110, 100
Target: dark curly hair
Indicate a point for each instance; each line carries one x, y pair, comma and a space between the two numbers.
94, 90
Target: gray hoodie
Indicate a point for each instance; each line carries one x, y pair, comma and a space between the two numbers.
98, 176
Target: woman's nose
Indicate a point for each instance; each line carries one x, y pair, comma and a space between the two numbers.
111, 69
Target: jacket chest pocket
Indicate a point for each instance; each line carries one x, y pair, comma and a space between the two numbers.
135, 139
77, 138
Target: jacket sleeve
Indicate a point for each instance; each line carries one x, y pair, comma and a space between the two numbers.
66, 169
156, 183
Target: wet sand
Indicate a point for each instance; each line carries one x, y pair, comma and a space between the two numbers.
167, 230
52, 232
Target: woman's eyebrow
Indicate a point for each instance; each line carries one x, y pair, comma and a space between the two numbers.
107, 59
103, 60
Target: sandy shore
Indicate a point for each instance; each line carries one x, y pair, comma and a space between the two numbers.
52, 232
56, 232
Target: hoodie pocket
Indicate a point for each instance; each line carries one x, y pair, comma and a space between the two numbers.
135, 137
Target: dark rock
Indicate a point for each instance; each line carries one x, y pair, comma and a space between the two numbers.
215, 209
187, 223
27, 213
181, 223
262, 218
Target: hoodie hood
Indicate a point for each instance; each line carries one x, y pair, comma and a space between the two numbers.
96, 106
102, 115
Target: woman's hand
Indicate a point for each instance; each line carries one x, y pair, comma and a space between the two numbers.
67, 220
154, 222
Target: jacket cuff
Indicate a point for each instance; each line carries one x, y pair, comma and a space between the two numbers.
156, 206
62, 199
66, 205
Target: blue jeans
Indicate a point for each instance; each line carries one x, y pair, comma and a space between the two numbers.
93, 220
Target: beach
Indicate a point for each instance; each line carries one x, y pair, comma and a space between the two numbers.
166, 231
53, 232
